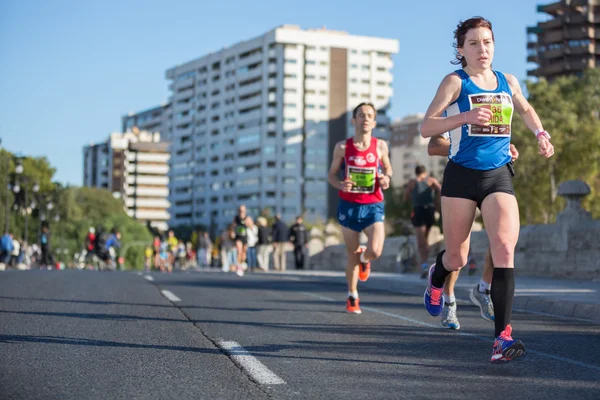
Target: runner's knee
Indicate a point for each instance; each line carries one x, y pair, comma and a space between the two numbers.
455, 260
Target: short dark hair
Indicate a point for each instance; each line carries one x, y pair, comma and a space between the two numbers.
363, 104
461, 32
420, 169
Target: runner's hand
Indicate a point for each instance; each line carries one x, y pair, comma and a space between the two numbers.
478, 116
514, 153
346, 185
384, 182
545, 147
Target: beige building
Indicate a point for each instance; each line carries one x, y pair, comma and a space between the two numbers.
409, 149
134, 166
566, 42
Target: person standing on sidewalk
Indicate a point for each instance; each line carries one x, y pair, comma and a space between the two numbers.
480, 294
299, 238
422, 192
241, 240
361, 197
47, 259
252, 241
280, 238
204, 248
264, 248
476, 104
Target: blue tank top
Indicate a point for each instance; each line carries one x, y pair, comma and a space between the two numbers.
482, 147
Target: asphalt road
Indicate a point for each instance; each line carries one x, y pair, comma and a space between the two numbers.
80, 335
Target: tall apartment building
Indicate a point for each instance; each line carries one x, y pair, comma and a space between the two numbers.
409, 149
133, 166
255, 123
155, 119
566, 43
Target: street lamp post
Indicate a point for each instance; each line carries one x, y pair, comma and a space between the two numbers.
28, 208
7, 193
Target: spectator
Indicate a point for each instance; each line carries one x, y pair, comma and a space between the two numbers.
280, 238
299, 238
204, 250
252, 231
47, 259
264, 248
6, 248
228, 250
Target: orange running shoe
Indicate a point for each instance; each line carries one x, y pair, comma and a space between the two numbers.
364, 269
352, 306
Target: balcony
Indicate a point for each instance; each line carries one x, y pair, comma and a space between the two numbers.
148, 169
149, 203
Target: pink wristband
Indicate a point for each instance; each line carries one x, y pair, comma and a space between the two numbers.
539, 133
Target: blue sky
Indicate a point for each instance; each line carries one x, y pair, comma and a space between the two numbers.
70, 69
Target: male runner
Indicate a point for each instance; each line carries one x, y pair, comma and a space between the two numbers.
422, 191
361, 197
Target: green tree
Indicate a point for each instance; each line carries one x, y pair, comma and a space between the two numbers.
82, 208
569, 109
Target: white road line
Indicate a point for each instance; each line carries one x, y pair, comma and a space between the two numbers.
250, 364
465, 334
170, 295
149, 278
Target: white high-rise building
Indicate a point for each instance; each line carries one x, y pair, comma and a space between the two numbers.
133, 166
256, 123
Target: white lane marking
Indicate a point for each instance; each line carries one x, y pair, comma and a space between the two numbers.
149, 277
465, 334
316, 296
250, 364
169, 295
139, 273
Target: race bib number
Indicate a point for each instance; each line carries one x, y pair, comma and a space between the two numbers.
501, 106
363, 179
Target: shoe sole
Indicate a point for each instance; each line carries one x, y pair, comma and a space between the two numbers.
354, 312
452, 327
478, 304
515, 351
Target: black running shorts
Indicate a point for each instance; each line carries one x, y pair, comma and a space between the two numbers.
476, 185
423, 216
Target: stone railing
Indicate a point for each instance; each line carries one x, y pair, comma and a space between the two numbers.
569, 248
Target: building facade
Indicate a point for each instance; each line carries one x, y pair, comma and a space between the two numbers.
135, 167
566, 43
156, 119
256, 123
409, 149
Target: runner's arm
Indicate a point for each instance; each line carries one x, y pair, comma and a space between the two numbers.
438, 146
385, 180
435, 185
530, 117
447, 92
336, 163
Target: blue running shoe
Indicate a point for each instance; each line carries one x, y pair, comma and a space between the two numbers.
505, 348
433, 297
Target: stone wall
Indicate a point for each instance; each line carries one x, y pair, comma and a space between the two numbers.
569, 248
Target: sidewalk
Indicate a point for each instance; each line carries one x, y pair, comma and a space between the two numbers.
558, 297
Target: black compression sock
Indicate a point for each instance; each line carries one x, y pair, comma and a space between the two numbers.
439, 273
503, 294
